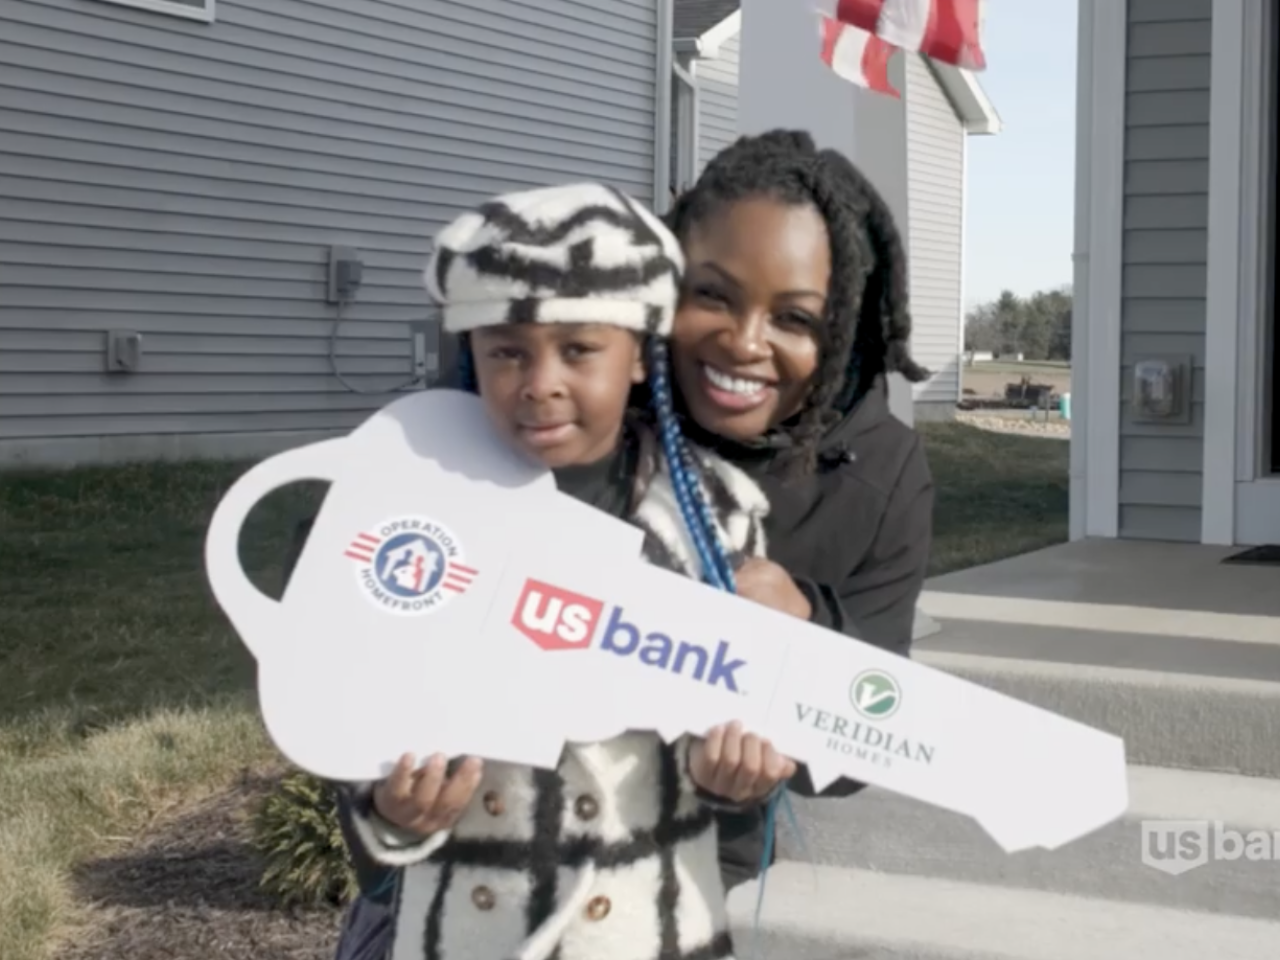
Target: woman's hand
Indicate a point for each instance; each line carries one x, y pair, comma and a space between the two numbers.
425, 801
767, 583
739, 767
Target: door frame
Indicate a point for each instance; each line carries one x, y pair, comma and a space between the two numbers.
1240, 501
1257, 487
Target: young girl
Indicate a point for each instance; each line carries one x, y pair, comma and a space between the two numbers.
556, 294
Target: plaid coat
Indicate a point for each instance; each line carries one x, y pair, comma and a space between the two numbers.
612, 856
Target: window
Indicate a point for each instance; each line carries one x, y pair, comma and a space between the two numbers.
188, 9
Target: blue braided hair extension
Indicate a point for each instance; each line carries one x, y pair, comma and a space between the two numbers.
717, 569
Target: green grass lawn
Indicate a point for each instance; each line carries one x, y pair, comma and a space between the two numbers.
997, 495
123, 692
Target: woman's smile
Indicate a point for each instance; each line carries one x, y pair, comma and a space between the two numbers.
734, 392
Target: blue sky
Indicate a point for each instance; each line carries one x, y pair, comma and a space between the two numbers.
1021, 182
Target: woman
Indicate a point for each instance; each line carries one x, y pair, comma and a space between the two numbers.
793, 312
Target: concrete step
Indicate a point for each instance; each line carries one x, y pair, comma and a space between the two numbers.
881, 832
1162, 644
831, 913
1167, 717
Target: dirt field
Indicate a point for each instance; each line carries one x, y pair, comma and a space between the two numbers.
989, 379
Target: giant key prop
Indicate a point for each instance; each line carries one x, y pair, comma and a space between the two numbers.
450, 599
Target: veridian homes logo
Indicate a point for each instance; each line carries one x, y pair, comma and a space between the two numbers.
875, 697
875, 694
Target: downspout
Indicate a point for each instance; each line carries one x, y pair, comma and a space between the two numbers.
964, 232
1080, 316
662, 108
695, 124
686, 122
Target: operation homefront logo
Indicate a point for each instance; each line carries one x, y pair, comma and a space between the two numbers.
1177, 846
875, 697
410, 566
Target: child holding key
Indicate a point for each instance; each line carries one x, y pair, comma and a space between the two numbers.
563, 297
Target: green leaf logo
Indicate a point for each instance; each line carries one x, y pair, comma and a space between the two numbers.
875, 694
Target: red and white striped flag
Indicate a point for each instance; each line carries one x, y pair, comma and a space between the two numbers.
949, 31
857, 56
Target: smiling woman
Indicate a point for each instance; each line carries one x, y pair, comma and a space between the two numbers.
793, 312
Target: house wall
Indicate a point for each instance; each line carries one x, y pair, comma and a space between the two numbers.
186, 181
935, 203
717, 101
1166, 203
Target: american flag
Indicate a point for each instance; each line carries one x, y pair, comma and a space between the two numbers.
949, 31
457, 576
855, 55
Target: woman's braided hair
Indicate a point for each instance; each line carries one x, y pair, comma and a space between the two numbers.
867, 327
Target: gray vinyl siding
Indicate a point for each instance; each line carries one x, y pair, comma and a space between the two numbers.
186, 180
935, 231
717, 102
1166, 206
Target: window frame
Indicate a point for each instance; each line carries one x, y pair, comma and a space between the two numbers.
205, 13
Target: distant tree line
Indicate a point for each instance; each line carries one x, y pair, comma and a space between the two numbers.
1038, 326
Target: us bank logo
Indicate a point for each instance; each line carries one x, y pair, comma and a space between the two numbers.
875, 694
1178, 846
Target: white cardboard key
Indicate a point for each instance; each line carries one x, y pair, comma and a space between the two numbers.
361, 658
450, 599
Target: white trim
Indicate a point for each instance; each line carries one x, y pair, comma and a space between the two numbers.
728, 28
206, 13
1095, 392
964, 229
1223, 287
968, 99
662, 108
695, 146
1253, 274
1257, 495
686, 122
1077, 501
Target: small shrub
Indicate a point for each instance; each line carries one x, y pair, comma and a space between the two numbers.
296, 830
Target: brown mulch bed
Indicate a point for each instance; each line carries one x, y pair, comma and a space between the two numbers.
190, 892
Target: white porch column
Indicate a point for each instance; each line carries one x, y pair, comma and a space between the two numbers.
782, 82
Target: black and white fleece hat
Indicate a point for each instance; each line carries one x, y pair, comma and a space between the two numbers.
580, 253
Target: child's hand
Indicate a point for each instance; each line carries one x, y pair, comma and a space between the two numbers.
740, 767
423, 802
768, 584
